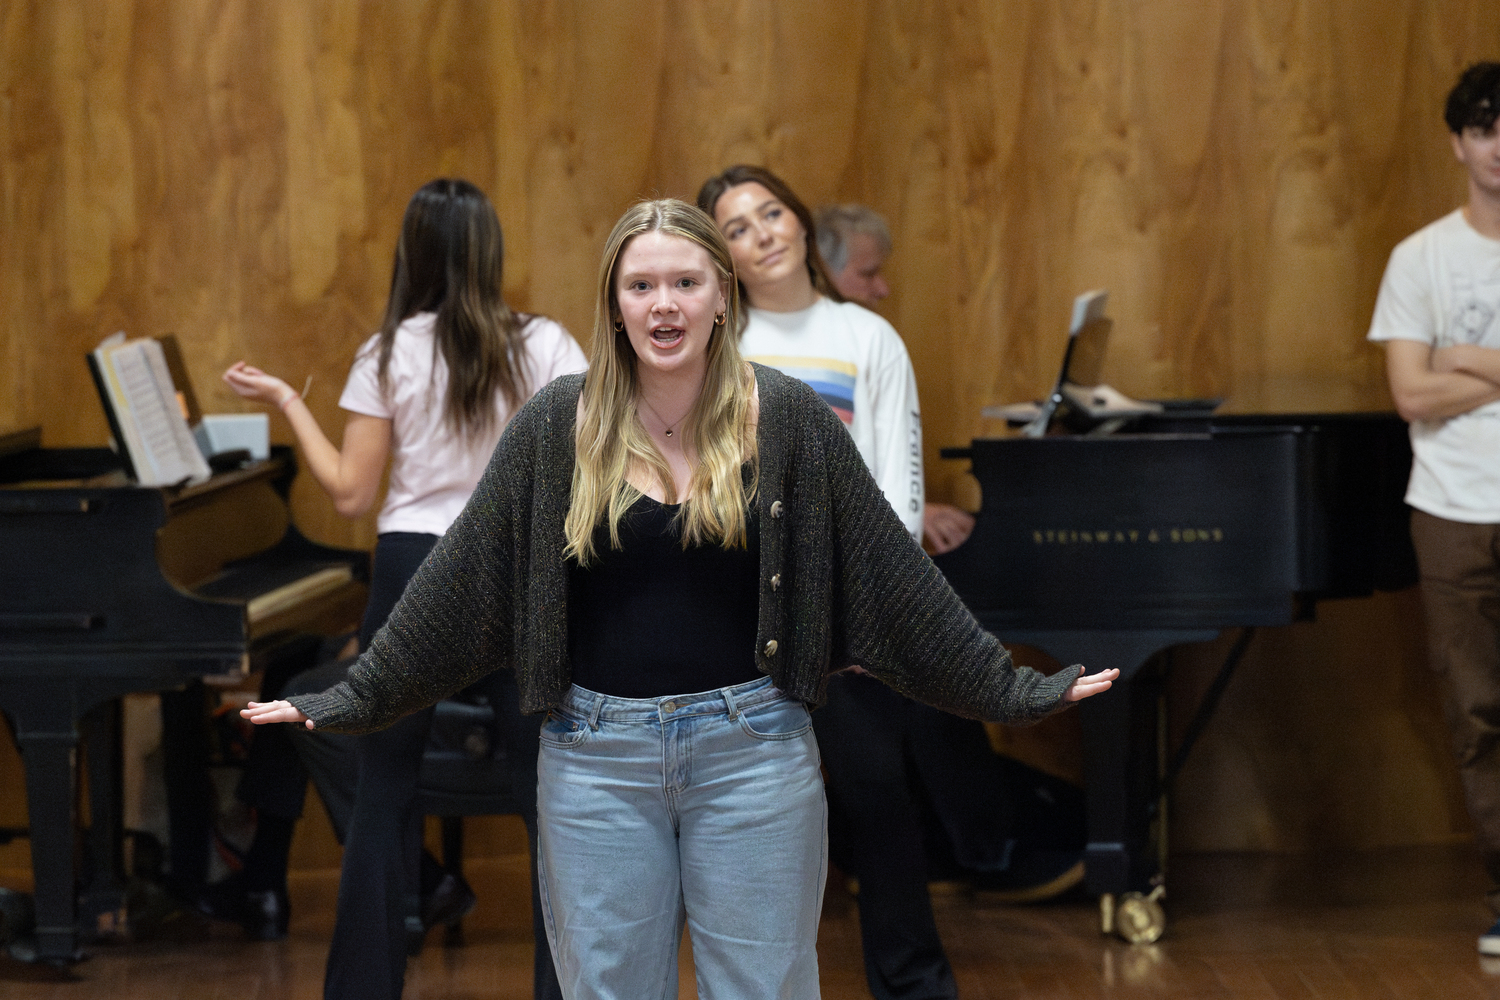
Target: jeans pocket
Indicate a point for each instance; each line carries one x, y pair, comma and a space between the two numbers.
563, 731
784, 719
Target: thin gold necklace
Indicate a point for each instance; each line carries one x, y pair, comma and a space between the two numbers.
668, 427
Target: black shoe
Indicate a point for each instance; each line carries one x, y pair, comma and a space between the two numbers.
449, 903
265, 915
221, 900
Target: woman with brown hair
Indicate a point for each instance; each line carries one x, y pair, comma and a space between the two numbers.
673, 554
798, 323
880, 750
431, 393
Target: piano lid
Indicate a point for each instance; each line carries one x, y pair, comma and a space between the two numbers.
1306, 394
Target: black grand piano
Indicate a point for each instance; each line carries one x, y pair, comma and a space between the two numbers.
1105, 550
108, 588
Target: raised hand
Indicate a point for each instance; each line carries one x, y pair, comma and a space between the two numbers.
252, 383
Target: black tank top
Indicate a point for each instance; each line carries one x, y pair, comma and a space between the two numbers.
652, 619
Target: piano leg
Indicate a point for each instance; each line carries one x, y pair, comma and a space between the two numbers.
101, 902
48, 741
1119, 751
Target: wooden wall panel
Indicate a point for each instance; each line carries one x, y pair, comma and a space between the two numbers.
1235, 173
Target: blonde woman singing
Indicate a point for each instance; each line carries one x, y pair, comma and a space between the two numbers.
673, 554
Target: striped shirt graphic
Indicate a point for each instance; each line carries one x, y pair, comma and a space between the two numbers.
831, 378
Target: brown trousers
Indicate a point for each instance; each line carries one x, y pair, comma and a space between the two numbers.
1460, 571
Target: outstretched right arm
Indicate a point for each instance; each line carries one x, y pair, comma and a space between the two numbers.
457, 620
262, 712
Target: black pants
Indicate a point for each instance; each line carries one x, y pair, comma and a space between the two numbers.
891, 762
378, 884
272, 781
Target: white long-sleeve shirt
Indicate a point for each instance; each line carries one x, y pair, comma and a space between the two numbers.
858, 364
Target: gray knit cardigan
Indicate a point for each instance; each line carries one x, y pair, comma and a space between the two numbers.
842, 583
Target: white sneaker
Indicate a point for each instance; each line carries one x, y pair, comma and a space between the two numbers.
1489, 941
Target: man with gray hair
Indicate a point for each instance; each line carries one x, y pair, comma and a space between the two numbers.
855, 242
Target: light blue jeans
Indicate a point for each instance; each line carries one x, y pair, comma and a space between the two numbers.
704, 807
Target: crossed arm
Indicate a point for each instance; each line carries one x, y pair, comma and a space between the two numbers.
1430, 383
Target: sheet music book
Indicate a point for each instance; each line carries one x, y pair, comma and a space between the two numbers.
145, 412
1102, 402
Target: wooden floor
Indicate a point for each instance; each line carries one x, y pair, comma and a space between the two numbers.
1399, 924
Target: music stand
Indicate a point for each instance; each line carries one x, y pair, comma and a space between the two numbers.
1083, 358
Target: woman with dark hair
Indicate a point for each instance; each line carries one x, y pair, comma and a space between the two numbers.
431, 391
673, 553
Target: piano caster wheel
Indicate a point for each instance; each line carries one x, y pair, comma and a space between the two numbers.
1138, 918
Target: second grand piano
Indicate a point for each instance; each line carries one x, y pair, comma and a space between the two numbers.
1105, 550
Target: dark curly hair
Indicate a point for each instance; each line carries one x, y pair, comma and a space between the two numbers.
1474, 101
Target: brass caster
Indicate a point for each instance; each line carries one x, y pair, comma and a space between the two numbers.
1140, 919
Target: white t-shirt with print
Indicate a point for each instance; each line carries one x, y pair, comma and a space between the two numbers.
1442, 287
858, 364
433, 470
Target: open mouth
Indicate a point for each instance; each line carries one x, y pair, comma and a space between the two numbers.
667, 336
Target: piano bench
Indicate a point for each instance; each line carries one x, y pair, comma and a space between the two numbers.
465, 772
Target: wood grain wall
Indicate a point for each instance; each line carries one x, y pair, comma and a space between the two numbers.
234, 171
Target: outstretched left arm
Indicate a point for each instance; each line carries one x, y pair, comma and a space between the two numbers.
1088, 685
903, 622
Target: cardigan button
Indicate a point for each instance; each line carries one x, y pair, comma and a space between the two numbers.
775, 508
771, 648
775, 580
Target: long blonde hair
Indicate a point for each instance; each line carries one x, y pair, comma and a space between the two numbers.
610, 436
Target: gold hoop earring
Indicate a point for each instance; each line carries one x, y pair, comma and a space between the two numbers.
619, 326
719, 319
